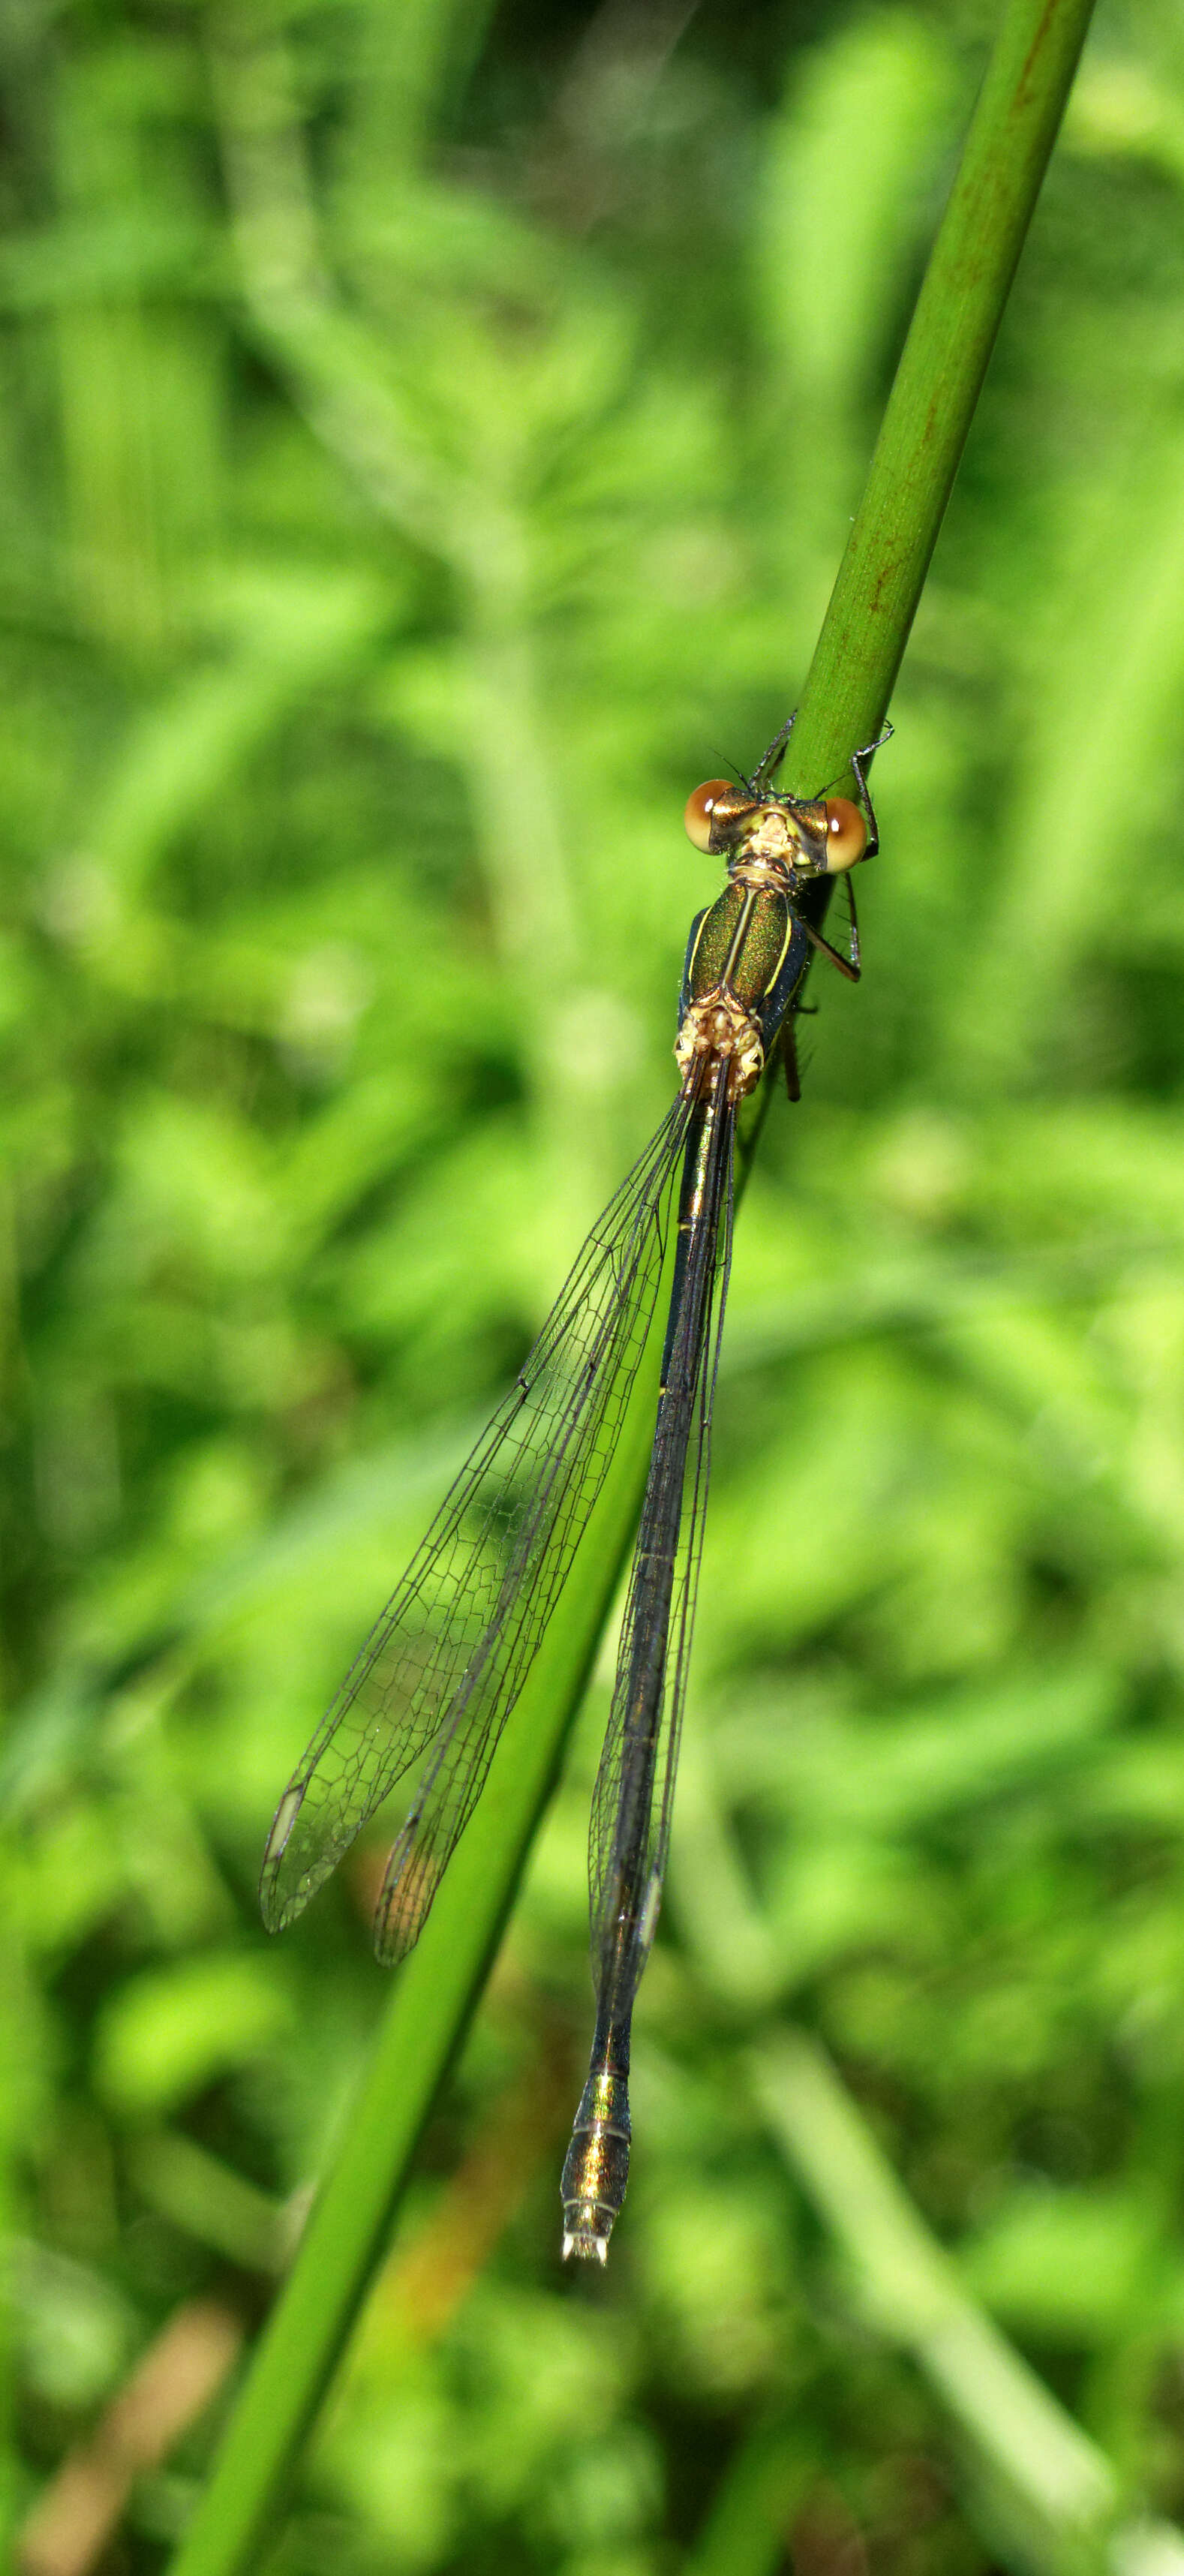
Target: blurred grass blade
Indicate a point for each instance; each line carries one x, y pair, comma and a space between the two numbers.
1049, 2496
749, 2529
862, 641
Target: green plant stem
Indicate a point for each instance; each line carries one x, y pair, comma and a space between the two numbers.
426, 2021
937, 384
859, 652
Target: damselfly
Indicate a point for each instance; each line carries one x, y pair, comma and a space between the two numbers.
438, 1675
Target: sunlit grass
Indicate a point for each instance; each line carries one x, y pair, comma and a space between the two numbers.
348, 901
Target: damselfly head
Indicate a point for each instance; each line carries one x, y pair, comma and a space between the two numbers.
715, 812
825, 835
846, 834
820, 838
816, 837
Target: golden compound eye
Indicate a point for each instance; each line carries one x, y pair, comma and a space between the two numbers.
846, 834
699, 810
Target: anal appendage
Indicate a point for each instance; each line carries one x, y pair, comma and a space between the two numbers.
596, 2167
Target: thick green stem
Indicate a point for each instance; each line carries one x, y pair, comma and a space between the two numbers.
937, 385
426, 2021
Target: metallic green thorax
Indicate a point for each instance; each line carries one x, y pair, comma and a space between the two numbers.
743, 939
745, 959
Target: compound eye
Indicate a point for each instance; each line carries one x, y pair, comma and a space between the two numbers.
699, 811
846, 834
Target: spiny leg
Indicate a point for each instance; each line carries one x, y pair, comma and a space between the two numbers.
857, 760
847, 966
773, 757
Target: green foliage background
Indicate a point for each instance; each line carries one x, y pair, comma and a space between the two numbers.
428, 443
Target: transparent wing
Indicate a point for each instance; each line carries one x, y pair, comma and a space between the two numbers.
633, 1799
445, 1662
